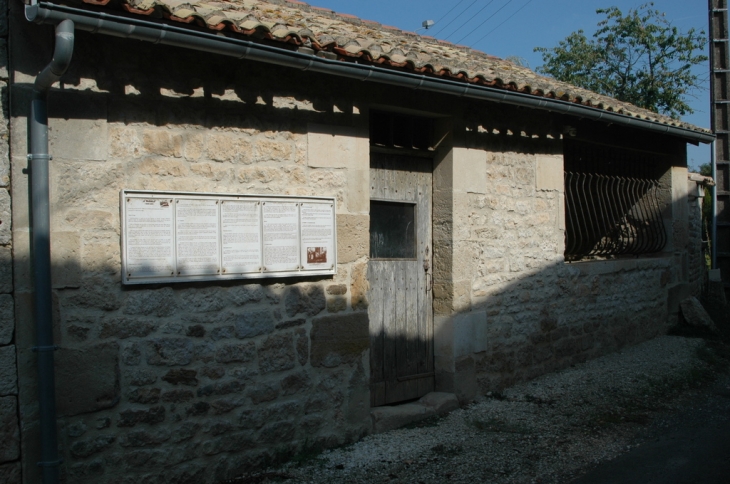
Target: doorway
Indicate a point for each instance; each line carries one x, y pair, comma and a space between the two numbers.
400, 276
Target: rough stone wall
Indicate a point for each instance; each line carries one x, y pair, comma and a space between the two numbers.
696, 257
196, 382
190, 382
528, 311
9, 426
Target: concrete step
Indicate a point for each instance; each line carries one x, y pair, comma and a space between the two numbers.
395, 416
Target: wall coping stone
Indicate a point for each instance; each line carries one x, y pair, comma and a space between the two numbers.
596, 268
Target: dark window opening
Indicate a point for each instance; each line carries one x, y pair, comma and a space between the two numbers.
392, 130
392, 230
613, 202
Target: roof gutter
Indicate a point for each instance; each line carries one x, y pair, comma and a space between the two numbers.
159, 33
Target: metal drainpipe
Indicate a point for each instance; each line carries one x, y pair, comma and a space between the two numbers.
38, 159
713, 230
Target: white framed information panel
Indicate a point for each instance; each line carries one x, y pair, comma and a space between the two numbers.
180, 236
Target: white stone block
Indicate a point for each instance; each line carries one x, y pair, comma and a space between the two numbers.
81, 136
443, 327
358, 191
549, 172
337, 147
470, 334
470, 170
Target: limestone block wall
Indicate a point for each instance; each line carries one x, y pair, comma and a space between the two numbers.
525, 310
9, 422
197, 382
197, 371
192, 382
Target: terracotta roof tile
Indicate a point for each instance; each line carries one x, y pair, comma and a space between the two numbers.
325, 32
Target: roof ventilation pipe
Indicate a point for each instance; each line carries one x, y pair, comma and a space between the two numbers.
38, 159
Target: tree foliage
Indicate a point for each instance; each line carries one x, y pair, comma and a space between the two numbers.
638, 58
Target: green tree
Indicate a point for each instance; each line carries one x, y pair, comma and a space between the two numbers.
638, 58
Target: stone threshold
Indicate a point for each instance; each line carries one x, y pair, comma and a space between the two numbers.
396, 416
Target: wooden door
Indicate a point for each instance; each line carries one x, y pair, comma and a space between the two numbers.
399, 273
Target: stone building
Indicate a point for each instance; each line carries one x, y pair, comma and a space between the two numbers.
491, 225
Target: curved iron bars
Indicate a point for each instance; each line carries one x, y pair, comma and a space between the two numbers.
612, 215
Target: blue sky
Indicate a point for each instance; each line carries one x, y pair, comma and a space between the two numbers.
516, 27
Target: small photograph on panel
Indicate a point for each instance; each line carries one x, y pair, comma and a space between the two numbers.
316, 255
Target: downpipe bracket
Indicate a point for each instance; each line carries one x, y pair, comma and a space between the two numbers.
39, 157
42, 349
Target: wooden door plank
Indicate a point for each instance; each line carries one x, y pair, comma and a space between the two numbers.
389, 323
376, 180
421, 275
427, 329
401, 179
396, 390
428, 202
392, 185
400, 319
377, 394
375, 314
425, 385
414, 336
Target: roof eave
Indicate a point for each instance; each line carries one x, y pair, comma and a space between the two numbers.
119, 26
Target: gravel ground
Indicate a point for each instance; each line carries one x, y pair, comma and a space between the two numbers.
548, 430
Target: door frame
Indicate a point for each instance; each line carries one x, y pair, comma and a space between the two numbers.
397, 361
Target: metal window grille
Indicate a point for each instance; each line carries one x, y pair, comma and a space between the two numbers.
611, 215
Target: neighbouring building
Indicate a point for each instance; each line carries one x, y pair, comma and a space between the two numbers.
490, 225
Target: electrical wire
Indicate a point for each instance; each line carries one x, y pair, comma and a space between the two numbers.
452, 21
447, 13
503, 22
472, 18
487, 20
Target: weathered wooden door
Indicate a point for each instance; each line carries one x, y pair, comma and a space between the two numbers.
399, 272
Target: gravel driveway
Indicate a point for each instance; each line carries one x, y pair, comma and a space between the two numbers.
549, 430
